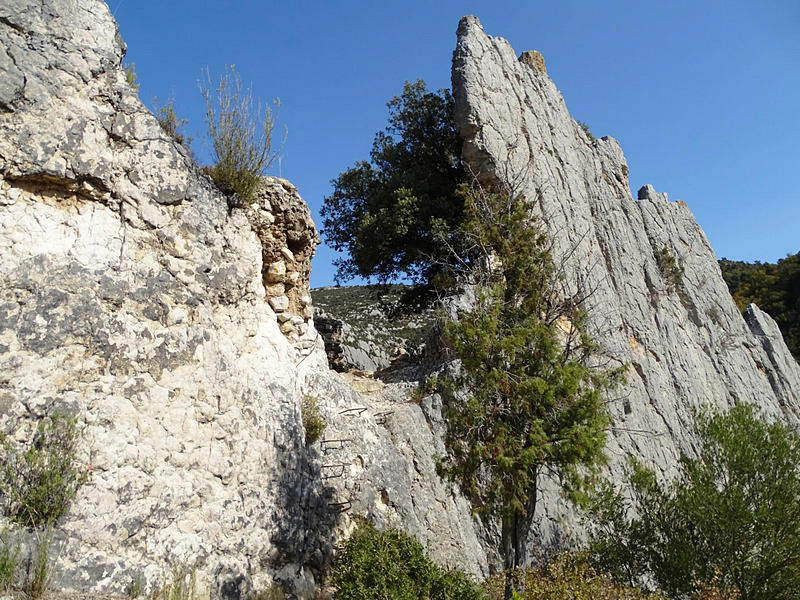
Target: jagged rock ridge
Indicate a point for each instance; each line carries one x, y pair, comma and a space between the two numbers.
684, 342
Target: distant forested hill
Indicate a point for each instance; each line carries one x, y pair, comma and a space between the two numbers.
774, 287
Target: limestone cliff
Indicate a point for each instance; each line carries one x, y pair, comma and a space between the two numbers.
683, 340
178, 329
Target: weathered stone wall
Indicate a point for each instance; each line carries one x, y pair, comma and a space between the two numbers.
684, 343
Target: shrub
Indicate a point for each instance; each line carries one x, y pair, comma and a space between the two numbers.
586, 130
170, 122
730, 519
39, 579
566, 577
9, 559
671, 271
391, 564
241, 135
39, 483
313, 422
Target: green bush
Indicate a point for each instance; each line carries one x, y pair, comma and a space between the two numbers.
39, 483
313, 422
729, 519
380, 565
671, 271
241, 135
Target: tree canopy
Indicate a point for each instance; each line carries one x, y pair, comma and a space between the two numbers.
383, 212
732, 515
775, 288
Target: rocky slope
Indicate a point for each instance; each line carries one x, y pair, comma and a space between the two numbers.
683, 340
370, 327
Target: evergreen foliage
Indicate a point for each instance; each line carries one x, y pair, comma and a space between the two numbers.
383, 212
534, 405
775, 288
731, 518
380, 565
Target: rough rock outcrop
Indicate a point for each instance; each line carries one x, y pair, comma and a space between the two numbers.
682, 338
370, 328
178, 330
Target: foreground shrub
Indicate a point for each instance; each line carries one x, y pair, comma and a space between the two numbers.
567, 577
39, 483
731, 518
390, 564
241, 135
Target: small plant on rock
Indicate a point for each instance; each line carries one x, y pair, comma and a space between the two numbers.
241, 135
170, 122
39, 576
586, 130
39, 483
9, 559
313, 422
671, 271
130, 75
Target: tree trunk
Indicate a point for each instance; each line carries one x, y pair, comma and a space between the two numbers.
512, 533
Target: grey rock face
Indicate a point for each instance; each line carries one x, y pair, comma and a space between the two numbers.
683, 340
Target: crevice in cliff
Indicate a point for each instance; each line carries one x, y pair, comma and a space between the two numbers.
62, 189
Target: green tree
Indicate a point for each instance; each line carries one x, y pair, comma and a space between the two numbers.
390, 564
383, 212
533, 404
732, 516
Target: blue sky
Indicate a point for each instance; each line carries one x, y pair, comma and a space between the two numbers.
704, 96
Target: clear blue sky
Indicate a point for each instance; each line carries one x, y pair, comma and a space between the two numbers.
704, 96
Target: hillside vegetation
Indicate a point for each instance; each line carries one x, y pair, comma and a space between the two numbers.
774, 287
